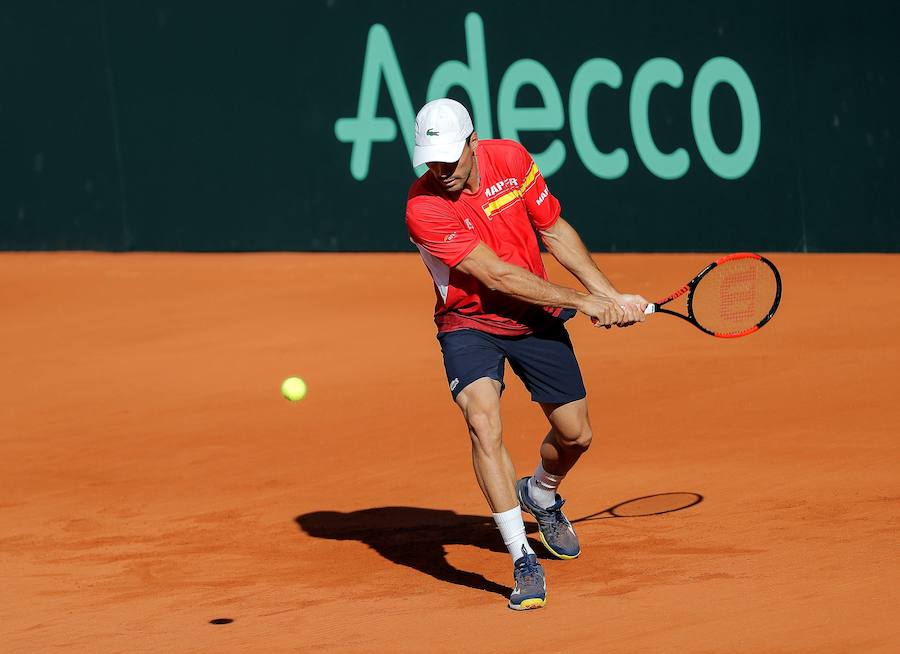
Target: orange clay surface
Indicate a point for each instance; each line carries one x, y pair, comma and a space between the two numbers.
153, 479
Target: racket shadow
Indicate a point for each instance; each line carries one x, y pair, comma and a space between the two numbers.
647, 505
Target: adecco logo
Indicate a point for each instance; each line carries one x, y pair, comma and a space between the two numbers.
381, 64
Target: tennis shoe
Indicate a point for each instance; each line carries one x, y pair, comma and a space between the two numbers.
531, 586
556, 532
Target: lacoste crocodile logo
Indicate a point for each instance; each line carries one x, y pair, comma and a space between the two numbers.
433, 132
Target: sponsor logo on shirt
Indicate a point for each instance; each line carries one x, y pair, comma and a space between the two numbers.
449, 237
509, 191
543, 196
454, 383
469, 224
503, 184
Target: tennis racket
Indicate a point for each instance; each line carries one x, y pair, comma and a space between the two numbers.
733, 296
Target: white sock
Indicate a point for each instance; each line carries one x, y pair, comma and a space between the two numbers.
542, 487
512, 531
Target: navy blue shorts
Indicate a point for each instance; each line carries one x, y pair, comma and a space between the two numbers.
544, 362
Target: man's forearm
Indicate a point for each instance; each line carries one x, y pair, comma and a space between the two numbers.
566, 246
524, 285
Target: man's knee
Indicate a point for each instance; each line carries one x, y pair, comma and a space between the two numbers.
485, 429
480, 404
570, 424
578, 438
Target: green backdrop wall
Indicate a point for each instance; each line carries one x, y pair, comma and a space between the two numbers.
661, 126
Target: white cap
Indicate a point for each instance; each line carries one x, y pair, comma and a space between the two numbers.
442, 127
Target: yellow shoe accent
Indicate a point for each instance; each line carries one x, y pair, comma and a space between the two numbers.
554, 552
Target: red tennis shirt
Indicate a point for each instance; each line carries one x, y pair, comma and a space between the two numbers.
511, 203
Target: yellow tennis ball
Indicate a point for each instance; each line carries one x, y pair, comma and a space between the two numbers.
293, 389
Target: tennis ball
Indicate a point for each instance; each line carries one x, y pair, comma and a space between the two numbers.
293, 389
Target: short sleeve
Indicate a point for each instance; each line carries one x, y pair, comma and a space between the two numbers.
543, 208
438, 231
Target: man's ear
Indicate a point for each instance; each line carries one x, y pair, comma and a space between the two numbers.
473, 141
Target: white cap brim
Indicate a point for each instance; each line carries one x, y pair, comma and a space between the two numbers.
445, 152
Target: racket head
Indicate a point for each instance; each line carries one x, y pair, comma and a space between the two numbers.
735, 295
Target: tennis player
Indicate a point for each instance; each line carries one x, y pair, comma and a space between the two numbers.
474, 217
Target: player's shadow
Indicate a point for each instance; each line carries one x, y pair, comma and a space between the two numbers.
417, 538
412, 537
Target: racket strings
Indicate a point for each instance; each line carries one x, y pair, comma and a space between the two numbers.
735, 296
739, 295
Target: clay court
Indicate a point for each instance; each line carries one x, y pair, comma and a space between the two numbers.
154, 480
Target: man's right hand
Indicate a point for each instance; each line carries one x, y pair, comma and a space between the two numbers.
623, 310
602, 310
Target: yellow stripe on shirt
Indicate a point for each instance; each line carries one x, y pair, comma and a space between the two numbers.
502, 201
513, 195
529, 178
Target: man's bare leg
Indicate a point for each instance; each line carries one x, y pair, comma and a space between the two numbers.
568, 438
480, 404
